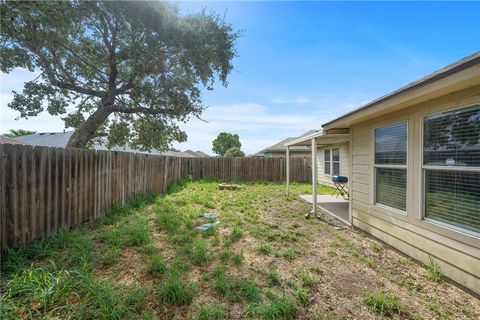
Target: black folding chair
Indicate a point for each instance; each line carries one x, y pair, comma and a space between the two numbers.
340, 183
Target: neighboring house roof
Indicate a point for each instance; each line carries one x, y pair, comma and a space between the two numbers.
470, 61
47, 139
6, 140
280, 146
60, 140
198, 154
258, 154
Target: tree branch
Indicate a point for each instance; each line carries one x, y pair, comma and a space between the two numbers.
144, 110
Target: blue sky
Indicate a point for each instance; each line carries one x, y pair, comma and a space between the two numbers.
301, 64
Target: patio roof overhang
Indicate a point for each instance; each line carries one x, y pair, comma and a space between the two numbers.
322, 138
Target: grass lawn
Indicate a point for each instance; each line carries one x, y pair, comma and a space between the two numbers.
264, 260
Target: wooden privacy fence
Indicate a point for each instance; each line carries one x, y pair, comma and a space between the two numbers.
44, 189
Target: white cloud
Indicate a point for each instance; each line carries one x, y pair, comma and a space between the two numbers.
297, 100
258, 125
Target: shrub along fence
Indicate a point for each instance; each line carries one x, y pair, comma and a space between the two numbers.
44, 189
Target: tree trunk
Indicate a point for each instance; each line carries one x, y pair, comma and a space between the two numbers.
82, 135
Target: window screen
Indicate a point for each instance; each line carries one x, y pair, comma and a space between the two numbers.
453, 138
391, 187
453, 197
391, 166
451, 154
391, 144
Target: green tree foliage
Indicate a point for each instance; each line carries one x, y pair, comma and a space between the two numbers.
132, 70
225, 141
18, 133
234, 152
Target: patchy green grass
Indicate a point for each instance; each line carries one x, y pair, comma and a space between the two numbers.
264, 248
156, 264
176, 291
383, 303
264, 260
308, 280
275, 307
210, 312
273, 277
433, 271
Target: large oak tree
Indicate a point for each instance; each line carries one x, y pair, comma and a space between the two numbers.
133, 70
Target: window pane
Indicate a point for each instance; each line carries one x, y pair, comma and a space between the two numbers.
453, 138
453, 197
336, 168
327, 168
335, 155
391, 187
326, 156
391, 144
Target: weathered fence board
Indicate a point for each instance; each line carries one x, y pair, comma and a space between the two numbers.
44, 189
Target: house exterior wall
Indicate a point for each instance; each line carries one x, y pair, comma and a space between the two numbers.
456, 252
326, 179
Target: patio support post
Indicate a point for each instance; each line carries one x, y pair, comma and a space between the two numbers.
314, 176
287, 173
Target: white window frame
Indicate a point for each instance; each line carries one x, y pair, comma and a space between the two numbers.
424, 168
390, 166
331, 161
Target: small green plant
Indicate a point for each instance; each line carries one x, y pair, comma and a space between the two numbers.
384, 303
248, 289
264, 248
303, 297
308, 280
167, 218
40, 285
275, 308
179, 266
210, 312
234, 236
225, 255
133, 233
237, 258
273, 277
156, 264
110, 257
138, 233
14, 259
234, 289
199, 252
175, 291
323, 315
433, 271
375, 246
316, 268
289, 254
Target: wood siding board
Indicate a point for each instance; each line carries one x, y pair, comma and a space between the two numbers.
455, 272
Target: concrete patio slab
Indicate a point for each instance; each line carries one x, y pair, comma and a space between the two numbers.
336, 207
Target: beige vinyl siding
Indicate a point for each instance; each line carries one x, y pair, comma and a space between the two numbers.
457, 252
326, 179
